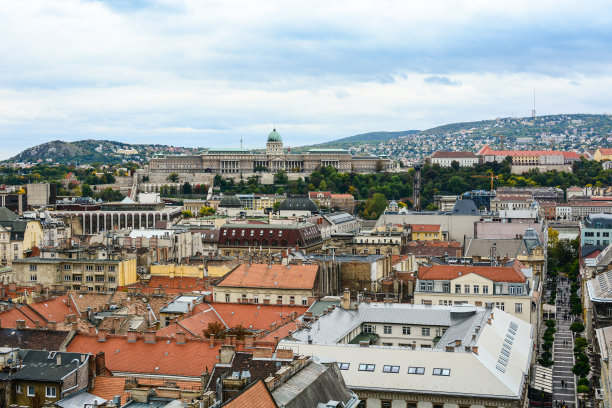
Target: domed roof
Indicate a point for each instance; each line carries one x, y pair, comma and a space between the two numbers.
230, 201
274, 136
298, 204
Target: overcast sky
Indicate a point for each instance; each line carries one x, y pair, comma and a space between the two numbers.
206, 73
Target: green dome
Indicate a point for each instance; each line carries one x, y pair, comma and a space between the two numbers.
274, 136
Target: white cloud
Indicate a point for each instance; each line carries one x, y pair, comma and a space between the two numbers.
206, 73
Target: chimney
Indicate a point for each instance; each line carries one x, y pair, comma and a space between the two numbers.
20, 324
345, 303
212, 340
226, 355
262, 352
457, 342
100, 363
149, 337
248, 342
101, 335
180, 338
475, 349
51, 325
116, 325
132, 336
58, 359
204, 378
284, 354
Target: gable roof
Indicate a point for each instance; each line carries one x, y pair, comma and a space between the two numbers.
32, 339
451, 155
7, 215
425, 227
255, 394
164, 357
495, 273
255, 316
42, 365
271, 276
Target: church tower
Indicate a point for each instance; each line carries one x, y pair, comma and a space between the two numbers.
275, 143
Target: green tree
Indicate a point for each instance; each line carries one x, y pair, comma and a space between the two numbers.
173, 177
375, 205
186, 187
206, 211
86, 190
431, 207
280, 177
577, 327
187, 214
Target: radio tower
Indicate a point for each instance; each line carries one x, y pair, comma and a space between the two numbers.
533, 110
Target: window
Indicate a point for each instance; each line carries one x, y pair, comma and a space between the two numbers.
50, 392
366, 367
416, 370
19, 389
466, 289
500, 305
425, 331
100, 268
33, 278
227, 297
457, 288
344, 366
99, 278
485, 290
67, 267
89, 279
255, 298
368, 328
292, 300
476, 289
446, 287
518, 308
279, 299
387, 329
89, 267
362, 404
516, 290
411, 404
77, 278
33, 268
304, 301
31, 391
406, 330
111, 268
438, 406
111, 279
441, 371
67, 278
385, 403
391, 369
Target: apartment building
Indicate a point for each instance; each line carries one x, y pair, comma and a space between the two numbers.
100, 274
508, 288
596, 229
17, 236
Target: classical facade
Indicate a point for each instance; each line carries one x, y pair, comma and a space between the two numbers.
240, 161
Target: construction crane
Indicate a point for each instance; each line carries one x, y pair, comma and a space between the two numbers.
491, 176
501, 139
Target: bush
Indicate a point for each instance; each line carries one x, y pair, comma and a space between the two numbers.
548, 337
577, 327
545, 363
550, 330
581, 369
550, 323
583, 381
547, 345
576, 309
583, 389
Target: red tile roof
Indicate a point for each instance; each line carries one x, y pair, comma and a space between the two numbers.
164, 357
604, 150
193, 325
255, 395
108, 387
494, 273
425, 227
280, 333
255, 316
50, 310
486, 150
272, 276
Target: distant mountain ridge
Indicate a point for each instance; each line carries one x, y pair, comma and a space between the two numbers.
578, 132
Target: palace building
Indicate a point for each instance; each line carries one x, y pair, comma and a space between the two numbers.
275, 158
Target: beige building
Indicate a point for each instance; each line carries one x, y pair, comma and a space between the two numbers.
100, 274
17, 236
229, 161
268, 284
508, 288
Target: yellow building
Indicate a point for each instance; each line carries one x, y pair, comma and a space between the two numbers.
98, 275
602, 154
189, 271
426, 232
17, 236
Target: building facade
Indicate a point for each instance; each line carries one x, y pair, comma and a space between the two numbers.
229, 161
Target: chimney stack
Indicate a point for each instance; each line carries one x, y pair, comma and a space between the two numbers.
101, 335
345, 303
180, 338
149, 337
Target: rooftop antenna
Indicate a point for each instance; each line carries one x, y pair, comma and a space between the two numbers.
241, 142
533, 112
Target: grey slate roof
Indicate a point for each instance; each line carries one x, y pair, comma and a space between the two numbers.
7, 215
334, 326
298, 204
80, 400
32, 339
313, 384
42, 365
465, 207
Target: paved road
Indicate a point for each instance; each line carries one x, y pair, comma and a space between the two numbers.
563, 354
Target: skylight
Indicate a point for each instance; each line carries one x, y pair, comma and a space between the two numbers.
441, 371
416, 370
344, 366
366, 367
390, 369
